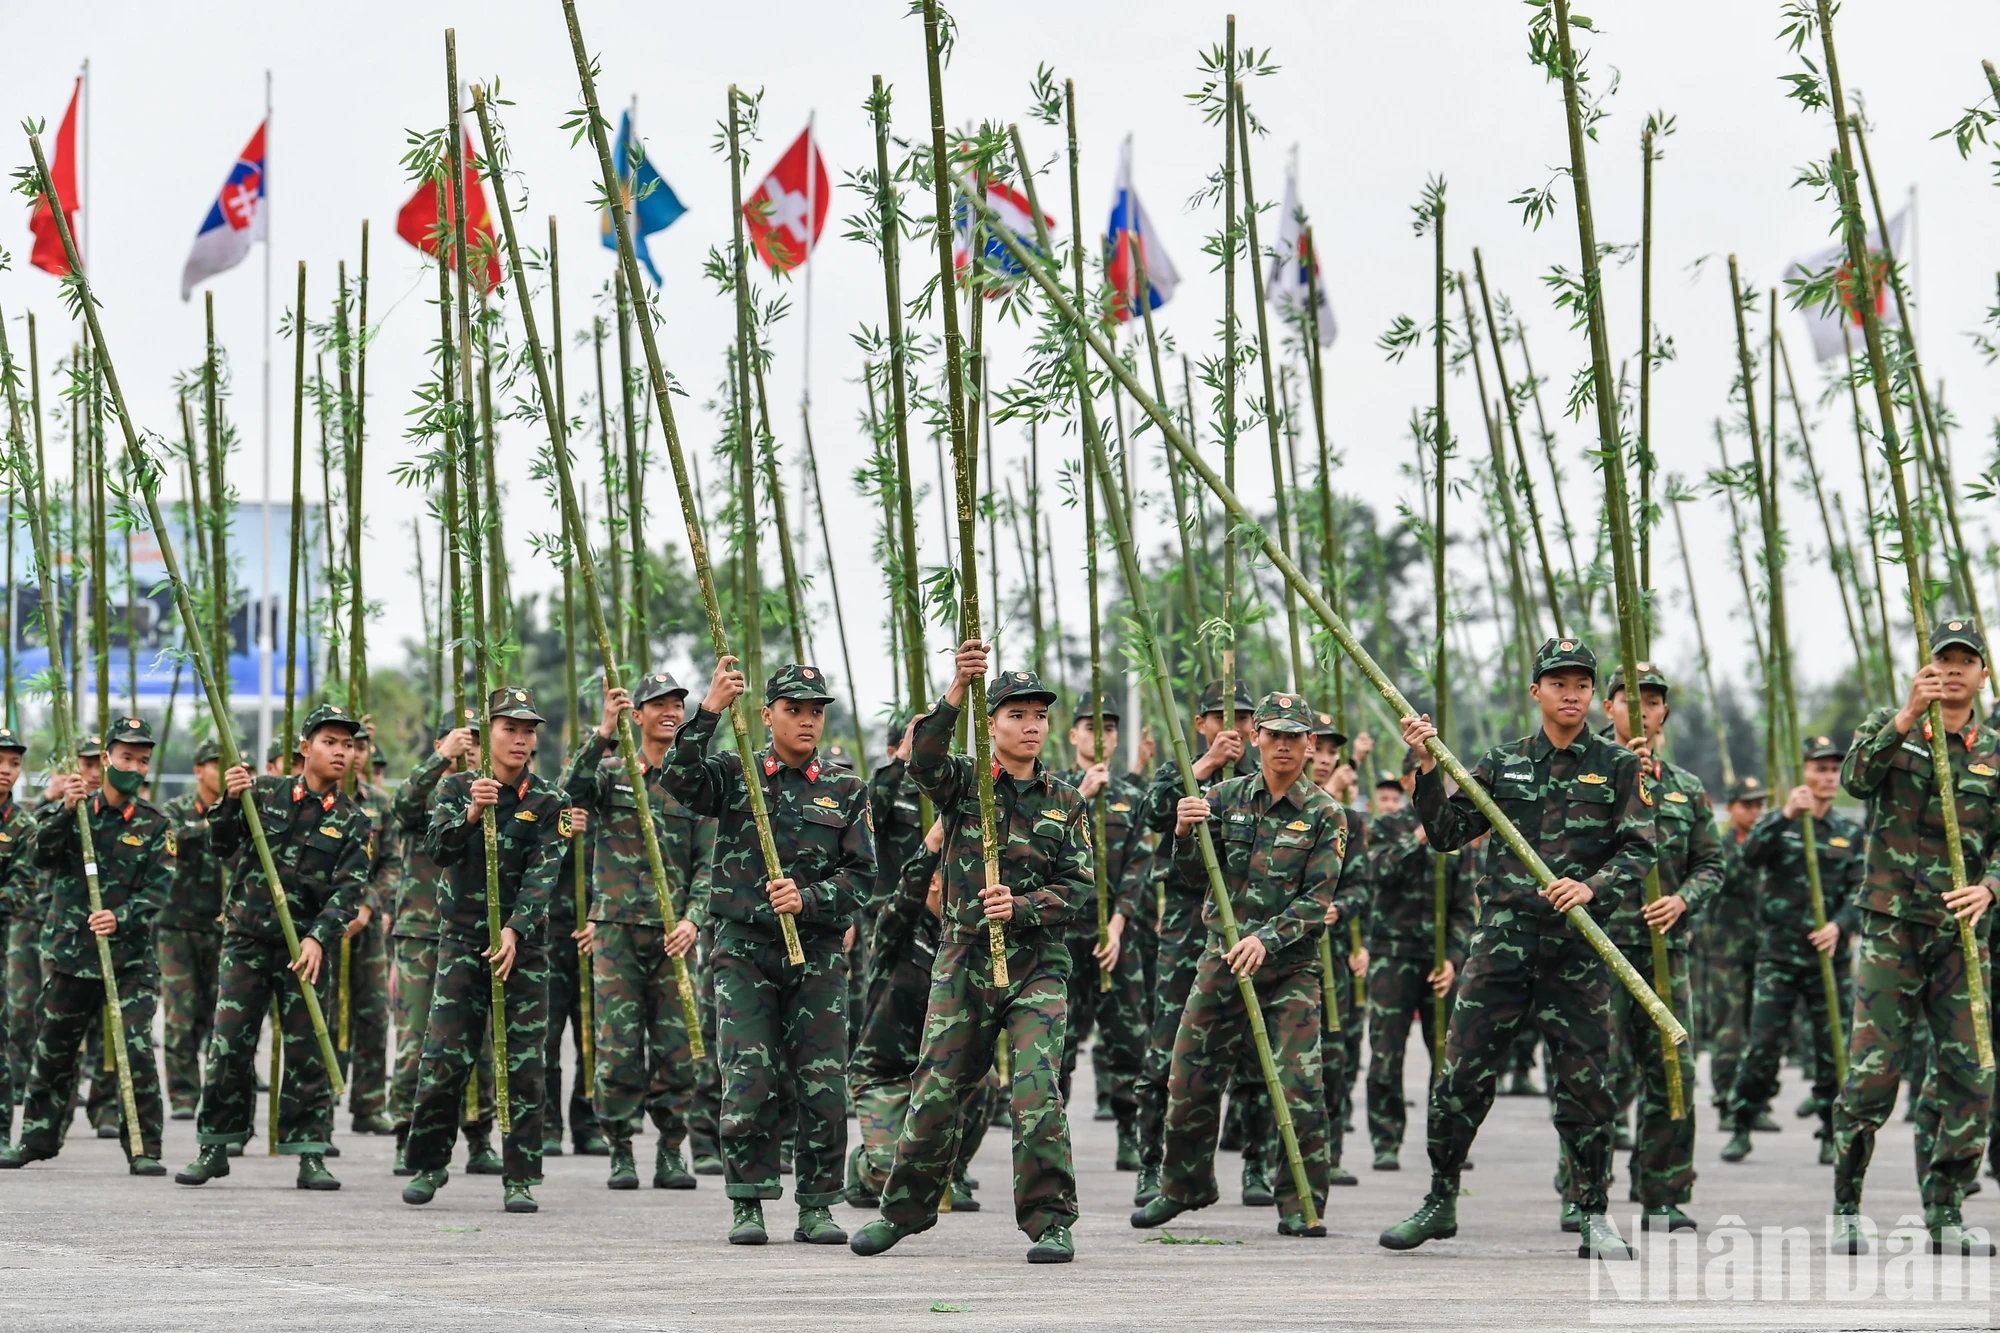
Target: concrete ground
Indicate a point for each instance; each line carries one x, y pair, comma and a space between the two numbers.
85, 1246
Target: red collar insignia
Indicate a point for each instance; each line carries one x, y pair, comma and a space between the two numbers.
812, 771
770, 764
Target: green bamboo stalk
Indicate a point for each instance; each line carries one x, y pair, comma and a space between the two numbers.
289, 740
1584, 593
1888, 653
1526, 477
1227, 422
1701, 643
1644, 542
1526, 625
635, 615
833, 587
1332, 573
746, 483
611, 549
1839, 556
788, 564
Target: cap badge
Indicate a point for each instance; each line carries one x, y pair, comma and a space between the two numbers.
807, 672
333, 708
520, 696
1956, 624
1284, 701
1566, 646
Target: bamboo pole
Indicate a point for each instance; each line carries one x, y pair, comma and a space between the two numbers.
746, 471
1507, 392
1527, 625
1226, 628
1333, 573
611, 555
1701, 643
626, 290
1839, 556
833, 586
788, 564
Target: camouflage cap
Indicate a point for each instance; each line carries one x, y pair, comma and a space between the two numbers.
1650, 678
10, 739
1824, 747
1086, 707
376, 759
1211, 698
836, 756
208, 752
1562, 654
90, 747
329, 715
132, 731
276, 751
1012, 686
1747, 789
1325, 726
658, 685
1285, 712
448, 724
1963, 633
514, 701
794, 680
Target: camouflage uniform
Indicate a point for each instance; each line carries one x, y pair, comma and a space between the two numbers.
1281, 860
365, 1057
24, 973
319, 842
529, 832
17, 884
1340, 1049
1728, 936
188, 934
1044, 847
1401, 953
566, 980
1588, 812
773, 1017
902, 948
1910, 968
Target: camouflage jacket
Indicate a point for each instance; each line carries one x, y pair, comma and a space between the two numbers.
1403, 914
1909, 866
1690, 860
384, 852
562, 894
1127, 850
134, 847
904, 928
1044, 842
899, 830
1354, 894
416, 909
529, 833
1281, 859
819, 821
1730, 923
1776, 846
621, 885
319, 843
201, 881
1584, 809
17, 872
1176, 900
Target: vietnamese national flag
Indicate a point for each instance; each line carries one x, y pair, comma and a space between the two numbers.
48, 252
417, 221
790, 199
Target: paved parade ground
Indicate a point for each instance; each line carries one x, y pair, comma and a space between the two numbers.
84, 1246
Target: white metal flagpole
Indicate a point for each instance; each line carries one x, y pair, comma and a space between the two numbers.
263, 610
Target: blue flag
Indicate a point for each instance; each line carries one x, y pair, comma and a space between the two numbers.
657, 207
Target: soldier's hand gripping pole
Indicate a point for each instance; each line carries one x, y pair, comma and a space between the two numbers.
147, 472
578, 540
1342, 635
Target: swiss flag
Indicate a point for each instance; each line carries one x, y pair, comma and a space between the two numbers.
417, 222
48, 252
791, 199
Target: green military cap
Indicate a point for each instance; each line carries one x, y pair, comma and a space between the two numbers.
208, 752
1086, 708
1561, 654
1009, 686
89, 747
1386, 781
329, 715
836, 756
1824, 747
132, 731
448, 724
658, 685
1649, 678
1324, 725
1747, 789
794, 680
1961, 632
10, 739
376, 758
275, 751
515, 701
1285, 712
1211, 697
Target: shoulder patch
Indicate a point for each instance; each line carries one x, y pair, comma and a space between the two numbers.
565, 825
173, 847
1645, 795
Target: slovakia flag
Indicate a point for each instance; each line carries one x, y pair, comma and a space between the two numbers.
1129, 238
1015, 214
235, 220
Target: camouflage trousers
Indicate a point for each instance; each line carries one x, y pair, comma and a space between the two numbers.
1179, 952
1115, 1015
776, 1023
643, 1053
887, 1047
1731, 1003
566, 979
1782, 988
1120, 1052
365, 1055
706, 1107
967, 1017
1340, 1058
1214, 1032
70, 1007
252, 973
24, 989
459, 1030
1905, 975
188, 977
8, 1093
1397, 992
1662, 1164
1557, 983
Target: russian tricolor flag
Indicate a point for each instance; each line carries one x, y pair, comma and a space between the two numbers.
1129, 237
235, 220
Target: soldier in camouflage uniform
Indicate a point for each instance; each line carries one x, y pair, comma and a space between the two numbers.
1043, 843
1584, 807
1402, 975
319, 842
1788, 978
527, 836
1115, 1013
1340, 1048
1910, 970
775, 1018
367, 963
16, 899
133, 842
1730, 926
1281, 842
414, 934
643, 1053
188, 934
567, 978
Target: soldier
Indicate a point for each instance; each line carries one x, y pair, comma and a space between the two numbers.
643, 1053
367, 962
1281, 842
526, 842
1044, 848
772, 1016
1910, 970
16, 900
1731, 928
1583, 806
1116, 1013
414, 932
1340, 1051
1403, 976
1690, 875
1789, 948
566, 981
133, 842
319, 842
188, 934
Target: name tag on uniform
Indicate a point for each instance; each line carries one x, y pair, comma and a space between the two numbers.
621, 786
1237, 817
1916, 749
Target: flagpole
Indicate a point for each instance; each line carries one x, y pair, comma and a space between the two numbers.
812, 213
1140, 292
264, 628
87, 202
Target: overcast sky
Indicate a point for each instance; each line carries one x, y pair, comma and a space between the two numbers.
1376, 98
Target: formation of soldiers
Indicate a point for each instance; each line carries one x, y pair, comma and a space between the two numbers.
748, 1015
